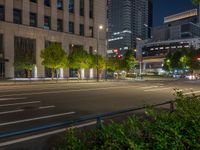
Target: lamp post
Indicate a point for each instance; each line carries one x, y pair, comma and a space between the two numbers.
100, 27
140, 57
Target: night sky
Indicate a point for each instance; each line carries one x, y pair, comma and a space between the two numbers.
164, 8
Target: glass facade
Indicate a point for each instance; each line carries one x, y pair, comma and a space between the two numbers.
2, 13
47, 22
81, 7
82, 33
24, 48
33, 19
91, 7
17, 16
71, 27
60, 25
71, 6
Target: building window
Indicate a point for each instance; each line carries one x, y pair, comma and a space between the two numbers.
47, 22
17, 16
60, 25
71, 27
33, 19
47, 3
91, 8
60, 4
71, 6
81, 7
2, 13
24, 49
34, 1
82, 30
1, 46
91, 31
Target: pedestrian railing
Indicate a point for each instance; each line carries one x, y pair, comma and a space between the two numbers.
79, 121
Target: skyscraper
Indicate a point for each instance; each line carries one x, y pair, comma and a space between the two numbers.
128, 20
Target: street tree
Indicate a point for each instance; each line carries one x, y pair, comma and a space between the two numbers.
99, 64
129, 61
79, 59
24, 63
54, 57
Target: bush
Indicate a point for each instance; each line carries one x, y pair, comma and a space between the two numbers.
162, 130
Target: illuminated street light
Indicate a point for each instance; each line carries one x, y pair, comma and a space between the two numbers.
99, 29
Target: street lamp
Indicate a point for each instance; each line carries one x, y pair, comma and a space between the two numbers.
100, 27
140, 57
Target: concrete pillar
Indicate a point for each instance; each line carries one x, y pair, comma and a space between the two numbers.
9, 53
91, 73
61, 73
54, 15
77, 16
66, 73
82, 73
26, 12
9, 10
86, 17
39, 46
66, 16
144, 67
40, 14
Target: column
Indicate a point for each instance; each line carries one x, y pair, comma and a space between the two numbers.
40, 13
86, 17
9, 53
54, 15
26, 12
66, 16
77, 16
39, 46
9, 10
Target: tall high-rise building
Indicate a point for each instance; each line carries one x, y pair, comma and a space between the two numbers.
28, 26
127, 21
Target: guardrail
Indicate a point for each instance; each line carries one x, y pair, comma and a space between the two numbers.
98, 118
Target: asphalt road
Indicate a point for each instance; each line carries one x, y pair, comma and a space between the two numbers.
28, 106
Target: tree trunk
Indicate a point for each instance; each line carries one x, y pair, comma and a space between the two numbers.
52, 74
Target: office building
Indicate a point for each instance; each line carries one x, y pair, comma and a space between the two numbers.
128, 20
28, 26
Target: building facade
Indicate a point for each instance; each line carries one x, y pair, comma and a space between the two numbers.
28, 26
177, 32
128, 20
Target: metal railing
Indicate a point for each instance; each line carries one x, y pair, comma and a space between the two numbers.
71, 123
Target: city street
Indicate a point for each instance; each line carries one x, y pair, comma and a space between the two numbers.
28, 106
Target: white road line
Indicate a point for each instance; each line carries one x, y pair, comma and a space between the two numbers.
9, 99
12, 111
46, 107
160, 89
193, 92
24, 103
38, 118
67, 91
44, 134
148, 87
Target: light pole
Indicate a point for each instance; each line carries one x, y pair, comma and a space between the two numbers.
139, 56
100, 27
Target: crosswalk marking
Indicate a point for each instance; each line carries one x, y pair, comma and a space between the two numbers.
160, 89
9, 99
12, 111
24, 103
38, 118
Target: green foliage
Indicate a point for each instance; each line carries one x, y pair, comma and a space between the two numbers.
78, 59
54, 57
24, 63
182, 59
196, 1
163, 130
129, 61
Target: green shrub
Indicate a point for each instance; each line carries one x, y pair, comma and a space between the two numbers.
161, 130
